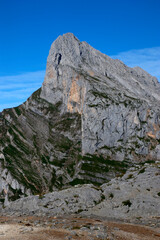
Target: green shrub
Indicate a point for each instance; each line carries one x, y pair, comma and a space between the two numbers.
111, 195
127, 203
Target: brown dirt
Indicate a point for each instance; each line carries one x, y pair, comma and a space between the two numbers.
27, 228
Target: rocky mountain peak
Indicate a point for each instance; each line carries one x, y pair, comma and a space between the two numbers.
93, 118
69, 58
67, 46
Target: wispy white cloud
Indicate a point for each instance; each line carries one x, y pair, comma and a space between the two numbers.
147, 58
14, 90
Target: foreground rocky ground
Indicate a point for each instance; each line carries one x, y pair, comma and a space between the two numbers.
125, 208
134, 196
74, 227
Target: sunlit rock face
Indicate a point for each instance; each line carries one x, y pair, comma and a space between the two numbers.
114, 101
92, 119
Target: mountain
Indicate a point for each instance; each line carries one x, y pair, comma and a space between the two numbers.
92, 119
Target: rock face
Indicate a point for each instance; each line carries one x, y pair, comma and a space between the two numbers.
92, 119
114, 101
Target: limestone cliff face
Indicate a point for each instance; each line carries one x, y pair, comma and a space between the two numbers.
91, 120
119, 106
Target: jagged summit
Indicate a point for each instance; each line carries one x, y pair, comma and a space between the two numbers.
93, 118
68, 54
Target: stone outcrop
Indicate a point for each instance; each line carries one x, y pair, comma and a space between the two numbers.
93, 118
72, 200
135, 196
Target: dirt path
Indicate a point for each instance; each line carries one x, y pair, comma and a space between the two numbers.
36, 228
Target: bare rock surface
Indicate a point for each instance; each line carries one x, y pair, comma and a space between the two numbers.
135, 197
72, 200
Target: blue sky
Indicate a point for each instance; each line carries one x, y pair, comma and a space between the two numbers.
126, 29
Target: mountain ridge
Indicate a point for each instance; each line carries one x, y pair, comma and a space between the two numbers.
93, 118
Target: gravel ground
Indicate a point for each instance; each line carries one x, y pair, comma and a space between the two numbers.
71, 227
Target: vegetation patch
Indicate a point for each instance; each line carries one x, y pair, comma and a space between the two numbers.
111, 195
18, 111
71, 168
77, 181
14, 194
105, 162
67, 122
130, 176
64, 143
36, 94
127, 203
141, 171
97, 169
